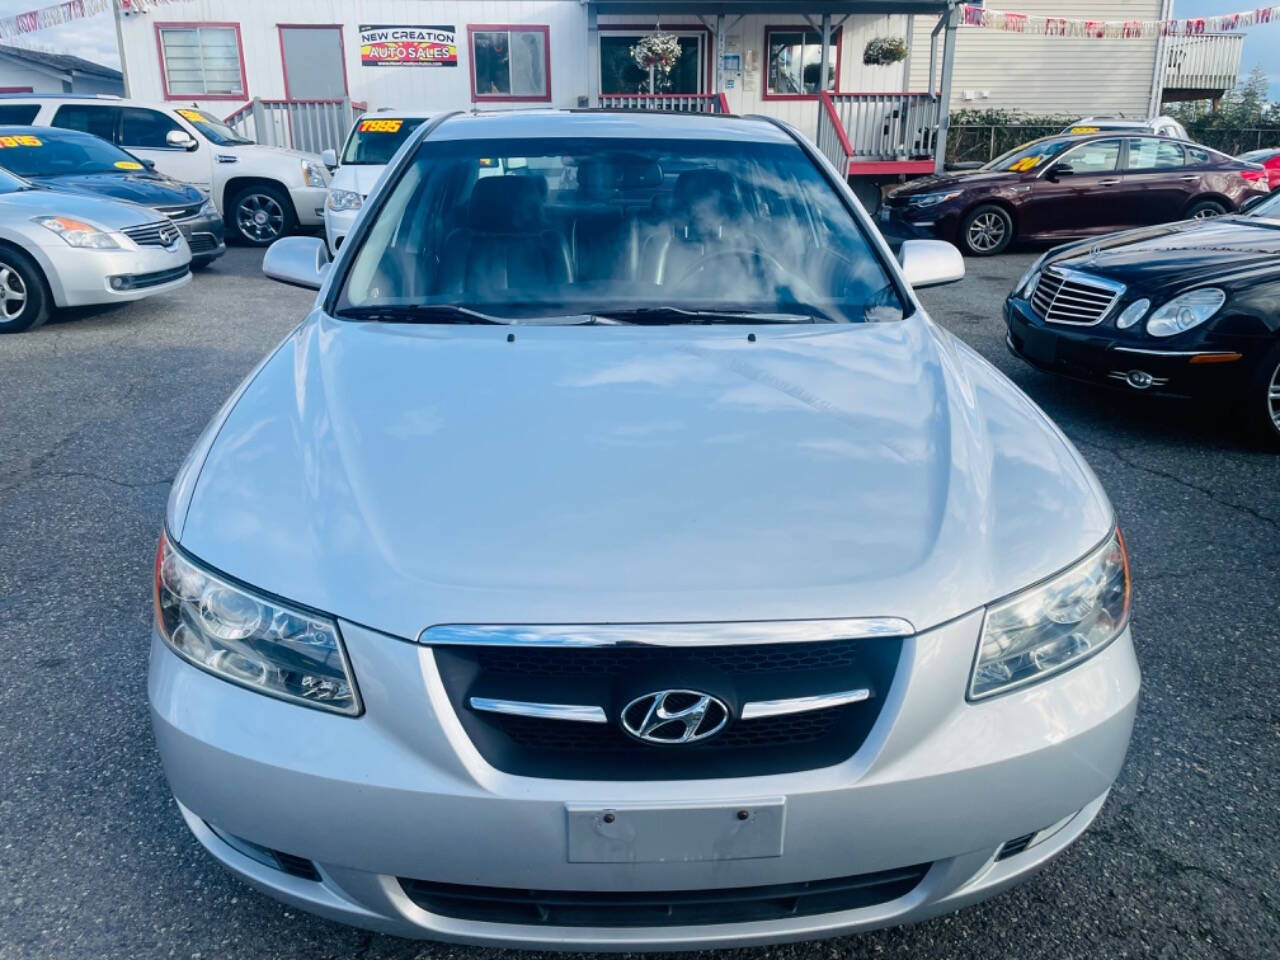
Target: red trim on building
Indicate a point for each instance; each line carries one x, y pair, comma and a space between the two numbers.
474, 28
830, 109
677, 28
837, 35
192, 25
869, 167
342, 49
724, 103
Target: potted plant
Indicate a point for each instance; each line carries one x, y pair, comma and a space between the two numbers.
883, 51
656, 53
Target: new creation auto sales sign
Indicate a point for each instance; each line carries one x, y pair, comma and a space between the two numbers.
399, 46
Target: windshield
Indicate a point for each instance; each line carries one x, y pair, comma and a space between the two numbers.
376, 139
60, 154
672, 230
211, 128
11, 184
1029, 156
1258, 156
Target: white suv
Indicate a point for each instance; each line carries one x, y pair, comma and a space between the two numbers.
262, 192
1160, 126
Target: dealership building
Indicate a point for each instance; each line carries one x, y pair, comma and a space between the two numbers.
295, 72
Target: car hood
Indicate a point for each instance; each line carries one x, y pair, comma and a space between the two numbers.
946, 181
149, 189
110, 214
403, 476
264, 150
1182, 253
359, 177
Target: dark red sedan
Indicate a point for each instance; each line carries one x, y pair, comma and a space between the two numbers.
1269, 157
1067, 187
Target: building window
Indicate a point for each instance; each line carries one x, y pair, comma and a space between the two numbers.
201, 60
795, 60
510, 62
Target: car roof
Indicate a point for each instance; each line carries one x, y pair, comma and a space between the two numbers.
49, 133
99, 100
389, 113
623, 124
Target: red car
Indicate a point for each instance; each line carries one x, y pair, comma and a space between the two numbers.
1067, 187
1270, 159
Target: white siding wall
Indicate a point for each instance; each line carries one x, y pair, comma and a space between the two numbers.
13, 74
1057, 75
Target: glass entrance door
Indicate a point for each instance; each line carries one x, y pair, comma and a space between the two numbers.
619, 73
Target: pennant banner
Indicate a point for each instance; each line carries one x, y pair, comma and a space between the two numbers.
975, 16
51, 16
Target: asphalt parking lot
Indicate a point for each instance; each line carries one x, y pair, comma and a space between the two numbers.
96, 413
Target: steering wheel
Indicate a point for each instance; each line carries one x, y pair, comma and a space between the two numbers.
762, 267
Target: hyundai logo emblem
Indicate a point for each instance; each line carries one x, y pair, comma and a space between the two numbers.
674, 716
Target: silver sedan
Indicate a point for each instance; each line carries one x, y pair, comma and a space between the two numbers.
66, 250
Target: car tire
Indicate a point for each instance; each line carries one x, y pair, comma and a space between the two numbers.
1205, 209
986, 231
1262, 401
24, 301
260, 214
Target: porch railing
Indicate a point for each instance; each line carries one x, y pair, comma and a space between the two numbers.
1206, 65
669, 102
310, 125
866, 127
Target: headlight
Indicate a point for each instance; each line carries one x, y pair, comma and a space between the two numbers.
208, 210
1049, 627
1189, 310
1133, 313
343, 200
313, 173
1028, 281
932, 199
250, 640
79, 234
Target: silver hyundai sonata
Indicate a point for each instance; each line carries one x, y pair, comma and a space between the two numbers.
617, 557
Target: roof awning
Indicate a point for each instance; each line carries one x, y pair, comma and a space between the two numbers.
795, 8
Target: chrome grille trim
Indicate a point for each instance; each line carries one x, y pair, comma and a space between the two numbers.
1072, 297
821, 701
729, 634
158, 233
542, 711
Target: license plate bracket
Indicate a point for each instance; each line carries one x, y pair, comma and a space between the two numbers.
680, 832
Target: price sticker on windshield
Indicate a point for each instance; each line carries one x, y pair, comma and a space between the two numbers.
1025, 164
21, 140
195, 116
128, 165
1085, 130
380, 126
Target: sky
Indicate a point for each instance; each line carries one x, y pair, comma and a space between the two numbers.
94, 38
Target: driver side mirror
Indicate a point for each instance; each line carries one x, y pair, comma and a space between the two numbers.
149, 164
926, 263
181, 140
297, 261
1061, 170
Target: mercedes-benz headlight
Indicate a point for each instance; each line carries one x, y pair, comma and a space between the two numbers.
1028, 280
248, 639
1186, 311
340, 200
313, 173
79, 234
1049, 627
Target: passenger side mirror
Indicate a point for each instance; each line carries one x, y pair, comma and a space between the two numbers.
1061, 170
926, 263
1253, 202
149, 164
180, 139
329, 157
297, 261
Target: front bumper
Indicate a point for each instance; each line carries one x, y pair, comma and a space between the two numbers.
941, 222
1098, 354
79, 278
308, 204
400, 792
337, 225
205, 235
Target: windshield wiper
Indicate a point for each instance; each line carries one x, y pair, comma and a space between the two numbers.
454, 313
673, 314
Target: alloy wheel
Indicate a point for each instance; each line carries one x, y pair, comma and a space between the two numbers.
260, 217
1273, 397
986, 232
1206, 213
13, 293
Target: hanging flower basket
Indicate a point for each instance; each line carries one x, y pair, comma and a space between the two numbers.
883, 51
656, 53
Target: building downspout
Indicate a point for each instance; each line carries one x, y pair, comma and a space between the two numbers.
944, 93
124, 66
1157, 73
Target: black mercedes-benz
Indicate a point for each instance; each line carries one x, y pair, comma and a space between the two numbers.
1184, 309
69, 160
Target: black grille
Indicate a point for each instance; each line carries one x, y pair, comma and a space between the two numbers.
1011, 848
202, 242
161, 233
1060, 299
138, 281
611, 677
590, 908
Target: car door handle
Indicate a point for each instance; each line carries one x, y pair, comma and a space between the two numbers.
1110, 182
1190, 178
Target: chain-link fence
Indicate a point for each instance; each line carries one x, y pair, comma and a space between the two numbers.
978, 143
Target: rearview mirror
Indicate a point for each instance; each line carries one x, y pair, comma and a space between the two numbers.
1253, 202
180, 139
1061, 170
297, 261
329, 157
926, 263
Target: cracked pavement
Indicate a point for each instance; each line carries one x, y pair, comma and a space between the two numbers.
97, 412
